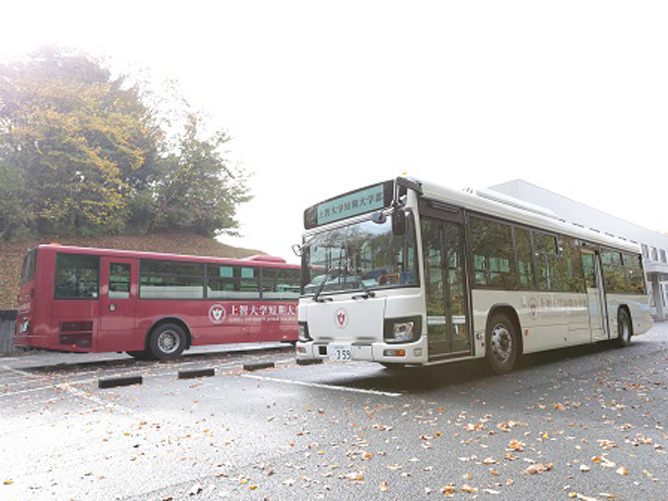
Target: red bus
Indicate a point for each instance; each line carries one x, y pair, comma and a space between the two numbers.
152, 306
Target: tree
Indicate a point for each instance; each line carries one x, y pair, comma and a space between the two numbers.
76, 139
83, 152
198, 191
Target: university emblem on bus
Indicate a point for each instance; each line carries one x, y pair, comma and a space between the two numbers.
341, 318
533, 308
217, 313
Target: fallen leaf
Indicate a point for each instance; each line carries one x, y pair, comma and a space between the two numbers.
449, 490
538, 468
516, 445
622, 470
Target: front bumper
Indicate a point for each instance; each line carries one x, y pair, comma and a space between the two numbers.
414, 353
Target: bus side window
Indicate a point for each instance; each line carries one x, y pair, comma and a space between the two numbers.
525, 265
167, 279
571, 266
547, 261
589, 270
119, 281
278, 284
493, 254
613, 272
77, 276
232, 282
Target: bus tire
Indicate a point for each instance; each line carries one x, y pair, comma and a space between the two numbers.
502, 343
166, 341
624, 328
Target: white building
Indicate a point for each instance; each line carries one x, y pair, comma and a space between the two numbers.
654, 245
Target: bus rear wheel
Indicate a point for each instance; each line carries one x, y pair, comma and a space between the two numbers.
166, 341
624, 329
502, 344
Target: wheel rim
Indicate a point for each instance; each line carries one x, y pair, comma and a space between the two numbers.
501, 343
168, 341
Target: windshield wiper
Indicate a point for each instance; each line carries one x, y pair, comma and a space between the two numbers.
321, 286
367, 292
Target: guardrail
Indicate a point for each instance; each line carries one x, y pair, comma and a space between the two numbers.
7, 322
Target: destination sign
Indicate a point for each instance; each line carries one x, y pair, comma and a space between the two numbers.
351, 204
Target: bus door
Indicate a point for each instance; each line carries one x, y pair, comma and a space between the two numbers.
598, 312
448, 319
118, 301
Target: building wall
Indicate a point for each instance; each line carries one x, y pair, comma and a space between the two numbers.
654, 245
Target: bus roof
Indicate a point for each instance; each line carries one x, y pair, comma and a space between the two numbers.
513, 209
261, 261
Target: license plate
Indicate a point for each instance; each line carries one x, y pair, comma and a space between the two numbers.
339, 352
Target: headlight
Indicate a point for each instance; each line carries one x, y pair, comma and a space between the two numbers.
303, 333
402, 330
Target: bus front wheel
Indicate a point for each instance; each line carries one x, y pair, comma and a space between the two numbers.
166, 341
502, 344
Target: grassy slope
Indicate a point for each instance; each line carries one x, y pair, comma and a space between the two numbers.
11, 255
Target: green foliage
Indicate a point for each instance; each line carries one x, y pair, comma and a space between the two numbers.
80, 154
14, 217
197, 190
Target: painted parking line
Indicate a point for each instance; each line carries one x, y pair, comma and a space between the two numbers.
28, 390
20, 372
322, 386
95, 399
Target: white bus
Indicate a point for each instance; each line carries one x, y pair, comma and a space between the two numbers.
408, 272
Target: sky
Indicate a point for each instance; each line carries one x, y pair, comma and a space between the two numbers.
323, 97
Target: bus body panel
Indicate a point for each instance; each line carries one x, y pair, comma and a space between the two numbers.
348, 320
547, 319
118, 306
118, 319
361, 323
639, 310
556, 303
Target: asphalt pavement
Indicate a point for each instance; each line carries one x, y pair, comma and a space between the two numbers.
580, 423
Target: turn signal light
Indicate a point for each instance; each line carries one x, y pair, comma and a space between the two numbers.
394, 353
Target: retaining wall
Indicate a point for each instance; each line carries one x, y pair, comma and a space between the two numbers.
7, 322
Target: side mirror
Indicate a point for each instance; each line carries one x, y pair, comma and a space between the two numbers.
398, 222
298, 250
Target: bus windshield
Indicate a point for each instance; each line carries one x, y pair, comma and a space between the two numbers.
360, 256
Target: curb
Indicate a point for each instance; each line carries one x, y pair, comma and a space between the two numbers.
256, 366
195, 373
119, 381
309, 361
